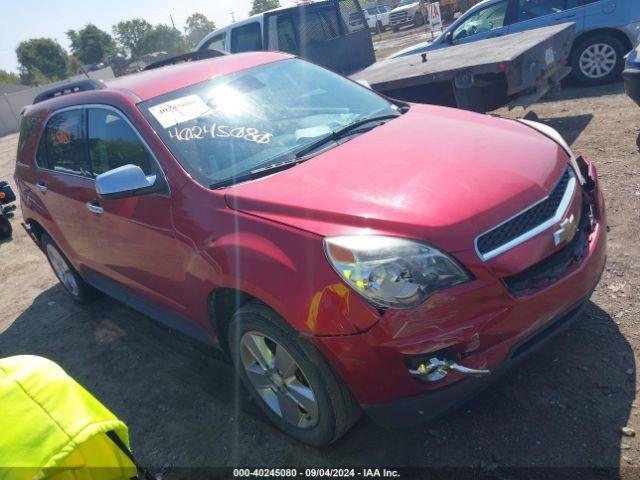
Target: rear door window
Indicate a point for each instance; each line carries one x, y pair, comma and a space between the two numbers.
309, 28
247, 38
287, 35
63, 144
113, 143
530, 9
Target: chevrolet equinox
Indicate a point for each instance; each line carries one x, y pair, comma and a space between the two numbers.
349, 252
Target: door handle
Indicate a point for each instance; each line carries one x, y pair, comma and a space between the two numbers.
41, 186
93, 208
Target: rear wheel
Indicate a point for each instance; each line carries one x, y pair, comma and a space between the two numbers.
418, 19
69, 278
597, 60
288, 378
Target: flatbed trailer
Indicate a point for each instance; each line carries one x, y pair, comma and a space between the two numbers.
515, 69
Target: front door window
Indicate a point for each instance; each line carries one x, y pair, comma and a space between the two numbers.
482, 21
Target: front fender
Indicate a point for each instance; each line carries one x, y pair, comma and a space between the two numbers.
286, 269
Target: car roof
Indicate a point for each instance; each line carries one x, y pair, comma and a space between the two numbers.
148, 84
158, 81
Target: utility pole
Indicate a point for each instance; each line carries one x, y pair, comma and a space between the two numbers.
172, 22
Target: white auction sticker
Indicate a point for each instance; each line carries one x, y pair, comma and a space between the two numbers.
179, 110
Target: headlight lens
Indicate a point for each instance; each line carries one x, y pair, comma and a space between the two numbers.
393, 272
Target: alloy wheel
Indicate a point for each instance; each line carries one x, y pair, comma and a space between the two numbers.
63, 270
598, 60
279, 380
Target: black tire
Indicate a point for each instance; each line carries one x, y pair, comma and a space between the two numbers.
396, 29
82, 292
590, 42
418, 19
337, 409
379, 27
6, 230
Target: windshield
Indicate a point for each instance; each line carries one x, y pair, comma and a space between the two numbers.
257, 117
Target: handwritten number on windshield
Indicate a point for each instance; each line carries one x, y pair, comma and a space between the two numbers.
197, 132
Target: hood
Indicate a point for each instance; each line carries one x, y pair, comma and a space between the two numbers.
414, 49
410, 6
436, 174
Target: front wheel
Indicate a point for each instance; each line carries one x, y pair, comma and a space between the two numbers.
418, 19
288, 378
379, 27
597, 60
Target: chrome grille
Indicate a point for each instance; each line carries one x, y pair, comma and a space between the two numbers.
529, 222
398, 17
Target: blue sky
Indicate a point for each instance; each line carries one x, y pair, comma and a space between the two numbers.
24, 19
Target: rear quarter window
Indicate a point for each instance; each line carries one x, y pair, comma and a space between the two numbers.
27, 127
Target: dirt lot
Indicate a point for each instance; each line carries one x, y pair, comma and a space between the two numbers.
564, 408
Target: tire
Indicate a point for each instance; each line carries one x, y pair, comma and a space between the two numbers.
418, 19
608, 54
396, 29
67, 275
6, 230
293, 366
379, 27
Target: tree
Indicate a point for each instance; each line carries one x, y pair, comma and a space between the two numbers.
91, 45
9, 77
260, 6
197, 27
163, 38
129, 34
41, 60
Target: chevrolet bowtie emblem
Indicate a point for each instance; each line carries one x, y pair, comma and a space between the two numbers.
566, 231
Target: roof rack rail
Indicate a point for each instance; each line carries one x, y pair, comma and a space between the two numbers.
67, 88
187, 57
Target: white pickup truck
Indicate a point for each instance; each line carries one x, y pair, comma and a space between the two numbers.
408, 12
378, 17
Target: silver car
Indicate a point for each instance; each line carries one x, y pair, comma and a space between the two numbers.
605, 30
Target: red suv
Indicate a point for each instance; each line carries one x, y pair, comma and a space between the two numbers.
348, 251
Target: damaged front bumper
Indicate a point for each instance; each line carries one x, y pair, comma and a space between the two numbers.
429, 405
472, 327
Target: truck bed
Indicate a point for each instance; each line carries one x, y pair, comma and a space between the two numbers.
511, 65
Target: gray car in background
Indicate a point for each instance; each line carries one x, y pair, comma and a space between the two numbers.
605, 30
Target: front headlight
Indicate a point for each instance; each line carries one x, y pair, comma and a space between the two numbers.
393, 272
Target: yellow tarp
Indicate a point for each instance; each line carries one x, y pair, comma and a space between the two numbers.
52, 428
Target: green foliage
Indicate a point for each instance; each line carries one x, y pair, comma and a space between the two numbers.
163, 38
90, 44
260, 6
129, 34
197, 27
8, 77
41, 60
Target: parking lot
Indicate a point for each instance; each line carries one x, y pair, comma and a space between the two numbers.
565, 407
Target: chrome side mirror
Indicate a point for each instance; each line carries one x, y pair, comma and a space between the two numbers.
125, 181
448, 38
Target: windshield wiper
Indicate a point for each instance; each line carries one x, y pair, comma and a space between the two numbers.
302, 154
342, 132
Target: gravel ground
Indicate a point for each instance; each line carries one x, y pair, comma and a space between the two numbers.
565, 407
